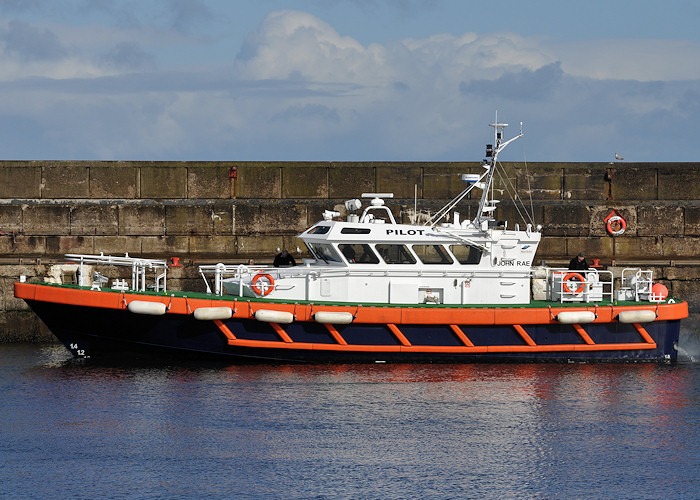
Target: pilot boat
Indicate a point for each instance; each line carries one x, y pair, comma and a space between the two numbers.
373, 290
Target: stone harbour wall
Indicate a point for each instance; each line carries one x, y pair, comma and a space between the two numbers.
238, 211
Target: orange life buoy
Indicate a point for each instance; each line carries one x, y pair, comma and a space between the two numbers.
572, 276
260, 287
619, 223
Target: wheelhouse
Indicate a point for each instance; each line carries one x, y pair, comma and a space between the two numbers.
352, 246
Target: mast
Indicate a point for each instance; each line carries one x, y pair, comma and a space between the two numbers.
484, 181
487, 204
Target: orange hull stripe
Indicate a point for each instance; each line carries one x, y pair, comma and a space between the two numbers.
645, 335
397, 333
336, 335
280, 331
465, 340
586, 338
526, 337
229, 335
439, 349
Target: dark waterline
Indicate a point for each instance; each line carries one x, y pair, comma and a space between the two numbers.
70, 429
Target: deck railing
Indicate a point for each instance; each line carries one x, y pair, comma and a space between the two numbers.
139, 268
592, 285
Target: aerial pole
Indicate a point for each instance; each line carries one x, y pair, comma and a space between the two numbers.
487, 204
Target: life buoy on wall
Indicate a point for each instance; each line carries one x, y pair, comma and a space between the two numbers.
260, 287
615, 224
574, 276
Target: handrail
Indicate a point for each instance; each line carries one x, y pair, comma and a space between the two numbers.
560, 289
635, 284
138, 269
638, 281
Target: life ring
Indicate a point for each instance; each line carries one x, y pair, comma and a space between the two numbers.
260, 287
574, 276
620, 224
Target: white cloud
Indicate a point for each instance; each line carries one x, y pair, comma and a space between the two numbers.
298, 90
641, 60
420, 97
298, 46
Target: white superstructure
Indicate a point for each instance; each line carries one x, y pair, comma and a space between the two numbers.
370, 258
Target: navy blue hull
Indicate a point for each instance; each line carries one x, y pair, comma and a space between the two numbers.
101, 333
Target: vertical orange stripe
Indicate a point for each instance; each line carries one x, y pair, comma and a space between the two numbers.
465, 340
397, 333
280, 331
228, 333
645, 335
586, 338
528, 340
336, 335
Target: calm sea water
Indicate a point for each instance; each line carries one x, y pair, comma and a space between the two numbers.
75, 430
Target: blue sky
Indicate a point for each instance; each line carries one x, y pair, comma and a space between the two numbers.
353, 80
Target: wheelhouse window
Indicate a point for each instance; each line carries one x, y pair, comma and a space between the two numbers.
395, 254
358, 253
319, 230
466, 254
432, 254
323, 251
355, 230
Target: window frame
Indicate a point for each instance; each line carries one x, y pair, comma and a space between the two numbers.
473, 252
442, 252
367, 250
401, 247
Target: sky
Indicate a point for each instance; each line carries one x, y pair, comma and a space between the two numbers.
349, 80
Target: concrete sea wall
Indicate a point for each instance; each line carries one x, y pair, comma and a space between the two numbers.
237, 211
